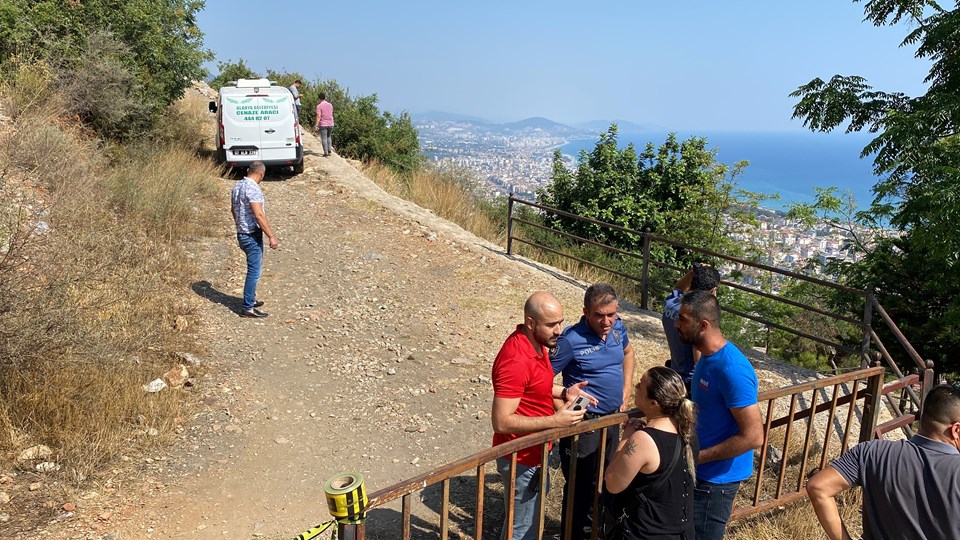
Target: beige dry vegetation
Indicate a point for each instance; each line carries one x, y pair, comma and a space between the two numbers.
448, 193
91, 277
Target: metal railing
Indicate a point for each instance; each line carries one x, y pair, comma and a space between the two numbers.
858, 391
903, 406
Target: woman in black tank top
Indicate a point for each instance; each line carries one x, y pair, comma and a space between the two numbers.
652, 476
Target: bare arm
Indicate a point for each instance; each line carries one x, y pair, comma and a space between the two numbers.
635, 452
505, 419
683, 284
822, 488
261, 217
749, 436
628, 362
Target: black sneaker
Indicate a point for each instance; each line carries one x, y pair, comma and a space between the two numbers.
254, 314
258, 303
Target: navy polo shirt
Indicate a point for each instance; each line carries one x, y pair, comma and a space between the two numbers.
582, 356
911, 489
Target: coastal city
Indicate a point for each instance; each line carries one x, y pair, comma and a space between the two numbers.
518, 158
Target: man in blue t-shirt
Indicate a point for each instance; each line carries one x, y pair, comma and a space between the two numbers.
728, 423
597, 351
683, 356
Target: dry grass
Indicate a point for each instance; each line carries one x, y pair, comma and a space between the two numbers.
797, 521
91, 285
449, 194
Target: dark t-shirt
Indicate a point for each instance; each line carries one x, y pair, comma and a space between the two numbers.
668, 510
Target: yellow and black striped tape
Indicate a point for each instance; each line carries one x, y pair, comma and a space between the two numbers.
314, 532
346, 496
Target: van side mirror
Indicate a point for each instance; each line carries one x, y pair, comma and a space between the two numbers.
212, 106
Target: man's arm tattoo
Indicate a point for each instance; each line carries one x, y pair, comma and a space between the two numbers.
630, 448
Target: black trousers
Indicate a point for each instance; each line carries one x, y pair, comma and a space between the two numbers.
588, 463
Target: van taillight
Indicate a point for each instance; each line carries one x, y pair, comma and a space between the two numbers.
222, 140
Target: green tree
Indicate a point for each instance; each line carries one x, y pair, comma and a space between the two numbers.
917, 155
232, 71
161, 41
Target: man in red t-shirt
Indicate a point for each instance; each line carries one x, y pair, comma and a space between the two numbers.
523, 394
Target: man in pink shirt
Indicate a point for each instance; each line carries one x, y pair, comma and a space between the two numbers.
324, 122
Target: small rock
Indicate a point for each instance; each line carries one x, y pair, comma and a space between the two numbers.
189, 358
481, 415
461, 361
176, 376
39, 451
5, 480
69, 507
391, 371
105, 516
415, 460
4, 518
35, 486
152, 432
281, 440
154, 386
47, 466
141, 419
4, 498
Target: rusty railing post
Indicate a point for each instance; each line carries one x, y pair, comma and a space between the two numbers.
351, 530
867, 326
510, 224
871, 403
645, 290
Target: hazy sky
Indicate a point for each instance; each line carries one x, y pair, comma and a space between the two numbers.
679, 65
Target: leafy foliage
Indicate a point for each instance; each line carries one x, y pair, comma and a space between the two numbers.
232, 71
155, 50
918, 154
676, 190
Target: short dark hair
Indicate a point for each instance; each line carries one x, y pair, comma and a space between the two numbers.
297, 82
703, 306
599, 293
322, 96
941, 407
705, 278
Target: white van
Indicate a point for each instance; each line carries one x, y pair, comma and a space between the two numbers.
257, 121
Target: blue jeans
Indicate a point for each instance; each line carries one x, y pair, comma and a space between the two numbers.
526, 501
712, 505
252, 246
325, 138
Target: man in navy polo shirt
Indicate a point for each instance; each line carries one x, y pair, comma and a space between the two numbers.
728, 418
595, 350
911, 489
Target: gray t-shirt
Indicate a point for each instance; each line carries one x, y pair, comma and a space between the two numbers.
296, 94
911, 489
245, 192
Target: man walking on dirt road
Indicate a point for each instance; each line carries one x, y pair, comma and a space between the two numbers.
597, 350
911, 489
523, 394
246, 205
324, 123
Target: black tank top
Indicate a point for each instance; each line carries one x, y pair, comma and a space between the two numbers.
668, 511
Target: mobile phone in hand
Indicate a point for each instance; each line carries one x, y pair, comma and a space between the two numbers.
581, 402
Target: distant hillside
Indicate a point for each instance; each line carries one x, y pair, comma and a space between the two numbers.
534, 126
441, 116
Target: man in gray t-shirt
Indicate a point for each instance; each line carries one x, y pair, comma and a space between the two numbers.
702, 277
911, 489
246, 205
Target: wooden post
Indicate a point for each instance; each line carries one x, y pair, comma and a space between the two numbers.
867, 324
927, 382
871, 403
510, 225
645, 291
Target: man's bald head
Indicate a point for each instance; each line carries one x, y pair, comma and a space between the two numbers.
540, 303
543, 319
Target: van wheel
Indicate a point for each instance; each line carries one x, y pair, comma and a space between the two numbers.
298, 167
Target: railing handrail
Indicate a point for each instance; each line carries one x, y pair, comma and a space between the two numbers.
675, 243
904, 342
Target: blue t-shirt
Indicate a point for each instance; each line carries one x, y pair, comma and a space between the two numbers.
722, 381
582, 356
681, 354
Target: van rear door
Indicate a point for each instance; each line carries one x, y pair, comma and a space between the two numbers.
278, 127
241, 127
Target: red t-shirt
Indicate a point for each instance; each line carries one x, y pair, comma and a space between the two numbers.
519, 372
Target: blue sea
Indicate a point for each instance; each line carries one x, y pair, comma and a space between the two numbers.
790, 164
